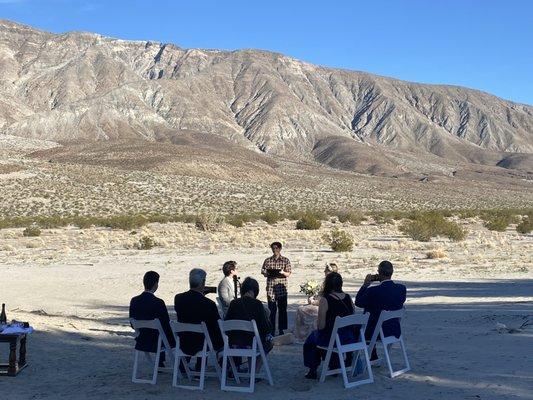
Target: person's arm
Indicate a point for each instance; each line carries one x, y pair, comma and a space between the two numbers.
263, 324
164, 318
263, 268
287, 270
362, 299
322, 310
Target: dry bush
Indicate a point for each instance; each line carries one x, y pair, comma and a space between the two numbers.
308, 222
339, 240
207, 222
146, 243
31, 231
353, 217
424, 226
437, 253
271, 217
525, 226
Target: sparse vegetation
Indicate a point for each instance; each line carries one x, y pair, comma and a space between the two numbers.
308, 222
353, 217
436, 253
271, 217
207, 222
424, 226
525, 226
146, 243
31, 231
339, 240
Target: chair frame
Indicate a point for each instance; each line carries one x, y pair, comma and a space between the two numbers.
335, 346
255, 351
207, 353
153, 324
390, 340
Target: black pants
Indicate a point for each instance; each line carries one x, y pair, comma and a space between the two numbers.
281, 304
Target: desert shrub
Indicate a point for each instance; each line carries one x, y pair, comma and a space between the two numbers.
497, 223
32, 231
308, 222
526, 226
124, 222
146, 243
271, 217
437, 253
339, 240
426, 225
238, 220
207, 222
353, 217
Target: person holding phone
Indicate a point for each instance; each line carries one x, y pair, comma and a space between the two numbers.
277, 269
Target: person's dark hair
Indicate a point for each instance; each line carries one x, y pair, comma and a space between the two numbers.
276, 244
250, 284
385, 268
150, 279
228, 267
332, 283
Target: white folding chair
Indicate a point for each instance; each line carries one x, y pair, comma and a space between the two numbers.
207, 353
335, 346
153, 324
255, 351
390, 340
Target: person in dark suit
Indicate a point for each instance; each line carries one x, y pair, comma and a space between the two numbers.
192, 307
147, 306
387, 295
248, 308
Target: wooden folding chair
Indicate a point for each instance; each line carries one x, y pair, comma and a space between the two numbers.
208, 353
154, 324
335, 346
390, 340
255, 351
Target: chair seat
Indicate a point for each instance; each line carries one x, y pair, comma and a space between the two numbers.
345, 348
391, 339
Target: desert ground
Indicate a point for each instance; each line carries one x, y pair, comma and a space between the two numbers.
468, 327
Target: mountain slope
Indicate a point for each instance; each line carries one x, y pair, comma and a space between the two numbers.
82, 86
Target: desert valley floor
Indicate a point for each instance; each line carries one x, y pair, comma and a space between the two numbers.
74, 287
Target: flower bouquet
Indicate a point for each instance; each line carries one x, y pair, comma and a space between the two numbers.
311, 289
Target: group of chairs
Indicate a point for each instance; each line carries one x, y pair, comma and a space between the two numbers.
208, 356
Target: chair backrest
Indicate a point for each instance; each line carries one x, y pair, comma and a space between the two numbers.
384, 316
155, 324
237, 325
178, 327
360, 320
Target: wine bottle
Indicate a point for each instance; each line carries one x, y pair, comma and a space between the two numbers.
3, 317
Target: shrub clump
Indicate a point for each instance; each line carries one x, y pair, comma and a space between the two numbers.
353, 217
308, 222
339, 240
207, 222
425, 226
437, 253
32, 231
526, 226
271, 217
146, 243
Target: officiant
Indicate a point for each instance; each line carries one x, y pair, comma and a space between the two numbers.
277, 269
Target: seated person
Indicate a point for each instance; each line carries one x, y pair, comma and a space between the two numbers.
248, 308
192, 307
386, 295
226, 287
147, 306
333, 302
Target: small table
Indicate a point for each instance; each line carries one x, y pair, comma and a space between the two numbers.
14, 367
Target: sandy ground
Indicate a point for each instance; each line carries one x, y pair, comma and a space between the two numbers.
77, 300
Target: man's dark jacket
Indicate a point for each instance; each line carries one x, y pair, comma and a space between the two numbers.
193, 307
387, 296
147, 306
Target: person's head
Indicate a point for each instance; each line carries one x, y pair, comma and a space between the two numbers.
276, 248
229, 268
151, 281
197, 278
332, 283
385, 270
250, 287
331, 267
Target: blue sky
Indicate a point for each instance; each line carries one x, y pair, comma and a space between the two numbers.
482, 44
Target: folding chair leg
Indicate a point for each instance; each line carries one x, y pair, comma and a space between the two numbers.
267, 370
325, 367
343, 369
202, 371
252, 374
135, 364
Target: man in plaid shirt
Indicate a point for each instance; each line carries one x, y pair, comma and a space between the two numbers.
277, 269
